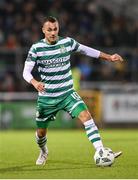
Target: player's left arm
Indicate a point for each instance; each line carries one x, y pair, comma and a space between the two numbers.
98, 54
108, 57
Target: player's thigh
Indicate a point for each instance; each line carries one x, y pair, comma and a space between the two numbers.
45, 113
74, 104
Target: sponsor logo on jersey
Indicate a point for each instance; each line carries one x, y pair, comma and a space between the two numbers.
54, 62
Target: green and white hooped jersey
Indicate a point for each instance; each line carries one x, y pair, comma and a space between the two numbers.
53, 62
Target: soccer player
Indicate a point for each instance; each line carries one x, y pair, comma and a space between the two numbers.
55, 90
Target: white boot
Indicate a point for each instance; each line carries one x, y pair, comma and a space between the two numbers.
42, 157
117, 154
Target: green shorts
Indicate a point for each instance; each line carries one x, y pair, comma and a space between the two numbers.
47, 108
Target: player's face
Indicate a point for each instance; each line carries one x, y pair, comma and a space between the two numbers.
51, 31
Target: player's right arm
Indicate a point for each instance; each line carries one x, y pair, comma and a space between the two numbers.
39, 86
28, 67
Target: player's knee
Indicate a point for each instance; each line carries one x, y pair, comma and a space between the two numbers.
85, 116
41, 132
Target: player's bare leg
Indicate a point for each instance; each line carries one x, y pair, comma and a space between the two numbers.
41, 141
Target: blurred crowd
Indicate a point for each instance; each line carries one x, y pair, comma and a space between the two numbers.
83, 20
20, 23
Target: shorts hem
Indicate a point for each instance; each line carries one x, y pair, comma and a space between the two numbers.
78, 109
43, 124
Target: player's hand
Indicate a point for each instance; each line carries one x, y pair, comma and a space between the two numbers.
116, 57
39, 86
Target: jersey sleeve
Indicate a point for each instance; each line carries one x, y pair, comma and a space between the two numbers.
29, 64
88, 51
74, 44
32, 55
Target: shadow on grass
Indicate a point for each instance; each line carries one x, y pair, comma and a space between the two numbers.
51, 165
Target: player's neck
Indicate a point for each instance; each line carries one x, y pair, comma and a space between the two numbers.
51, 43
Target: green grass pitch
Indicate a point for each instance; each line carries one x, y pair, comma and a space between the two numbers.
70, 155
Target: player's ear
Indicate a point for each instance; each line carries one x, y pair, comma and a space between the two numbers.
43, 30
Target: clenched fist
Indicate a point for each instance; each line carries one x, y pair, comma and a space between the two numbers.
116, 57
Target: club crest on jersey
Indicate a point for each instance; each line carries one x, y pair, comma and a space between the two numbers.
62, 49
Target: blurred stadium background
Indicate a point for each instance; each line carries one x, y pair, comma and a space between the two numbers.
109, 89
